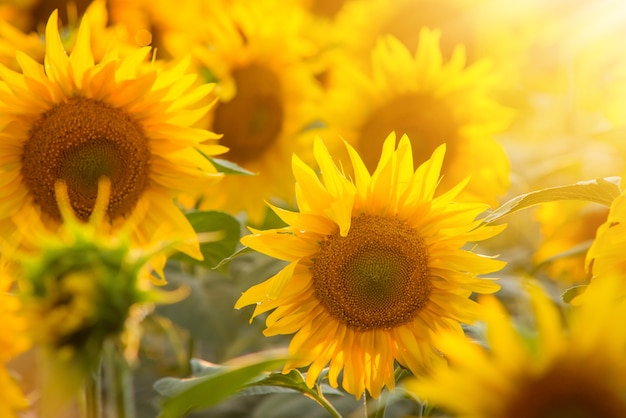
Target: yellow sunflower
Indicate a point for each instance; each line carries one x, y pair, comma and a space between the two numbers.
12, 342
375, 266
75, 120
268, 98
605, 258
430, 100
566, 368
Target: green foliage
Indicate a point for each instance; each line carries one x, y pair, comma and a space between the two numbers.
228, 167
215, 383
602, 191
218, 233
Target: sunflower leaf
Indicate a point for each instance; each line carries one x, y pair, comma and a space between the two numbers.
602, 191
228, 167
218, 233
238, 253
295, 381
186, 395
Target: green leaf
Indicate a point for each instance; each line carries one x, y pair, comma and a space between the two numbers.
294, 380
228, 167
602, 191
238, 253
218, 234
186, 395
572, 292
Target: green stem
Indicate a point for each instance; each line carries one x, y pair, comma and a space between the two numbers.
382, 404
92, 394
319, 397
119, 383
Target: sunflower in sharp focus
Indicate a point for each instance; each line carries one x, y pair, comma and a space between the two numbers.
433, 103
268, 99
75, 120
572, 367
375, 266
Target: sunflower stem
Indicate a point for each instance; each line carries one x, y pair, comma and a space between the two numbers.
119, 383
382, 405
92, 394
325, 403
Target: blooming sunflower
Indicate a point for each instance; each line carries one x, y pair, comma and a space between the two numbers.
567, 368
75, 120
268, 97
375, 266
12, 342
81, 289
432, 102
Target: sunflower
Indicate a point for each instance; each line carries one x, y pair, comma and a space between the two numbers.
268, 99
75, 120
572, 367
81, 289
605, 257
12, 342
375, 266
432, 102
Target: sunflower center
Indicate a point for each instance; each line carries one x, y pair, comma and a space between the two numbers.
566, 392
427, 121
78, 142
253, 119
376, 277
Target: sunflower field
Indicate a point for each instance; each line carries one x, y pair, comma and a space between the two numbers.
312, 208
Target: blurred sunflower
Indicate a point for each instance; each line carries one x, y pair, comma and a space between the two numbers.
75, 120
375, 266
361, 23
82, 289
433, 103
606, 256
268, 99
13, 341
32, 15
568, 368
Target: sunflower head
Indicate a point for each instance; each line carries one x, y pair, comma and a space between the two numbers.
376, 264
76, 119
433, 101
571, 364
79, 284
259, 57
